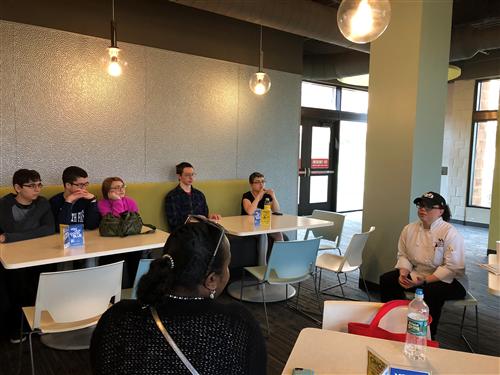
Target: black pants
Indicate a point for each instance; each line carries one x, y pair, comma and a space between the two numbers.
435, 294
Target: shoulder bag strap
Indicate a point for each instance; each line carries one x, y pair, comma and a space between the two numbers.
171, 342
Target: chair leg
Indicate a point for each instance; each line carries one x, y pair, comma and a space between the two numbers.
298, 294
320, 275
316, 291
364, 283
340, 284
477, 327
462, 330
31, 353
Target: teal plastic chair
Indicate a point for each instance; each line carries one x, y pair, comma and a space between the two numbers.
290, 262
141, 270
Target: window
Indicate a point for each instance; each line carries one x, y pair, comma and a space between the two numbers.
354, 101
484, 130
318, 96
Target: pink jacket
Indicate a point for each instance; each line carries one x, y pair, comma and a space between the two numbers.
117, 207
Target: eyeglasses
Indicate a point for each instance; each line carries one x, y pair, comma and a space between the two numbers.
81, 186
122, 187
259, 182
427, 208
189, 175
203, 219
33, 186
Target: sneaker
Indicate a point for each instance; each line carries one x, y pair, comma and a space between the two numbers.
16, 339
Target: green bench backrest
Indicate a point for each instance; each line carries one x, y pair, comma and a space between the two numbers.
223, 197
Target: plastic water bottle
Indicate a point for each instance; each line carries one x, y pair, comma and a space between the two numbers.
265, 218
416, 329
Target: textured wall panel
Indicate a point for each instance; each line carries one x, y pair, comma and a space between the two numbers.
59, 107
8, 151
268, 128
191, 115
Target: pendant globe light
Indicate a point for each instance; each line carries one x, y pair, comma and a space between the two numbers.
114, 66
260, 83
363, 21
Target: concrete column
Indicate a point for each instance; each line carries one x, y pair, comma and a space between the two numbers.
407, 101
494, 232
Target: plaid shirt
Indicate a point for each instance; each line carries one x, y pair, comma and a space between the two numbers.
179, 204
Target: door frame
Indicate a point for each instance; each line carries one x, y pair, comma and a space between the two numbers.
324, 116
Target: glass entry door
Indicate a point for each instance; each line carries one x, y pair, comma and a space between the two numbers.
317, 166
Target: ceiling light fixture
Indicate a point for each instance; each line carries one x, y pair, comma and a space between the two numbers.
363, 79
114, 67
260, 83
363, 21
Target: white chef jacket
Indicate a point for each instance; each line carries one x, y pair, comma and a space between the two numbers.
438, 251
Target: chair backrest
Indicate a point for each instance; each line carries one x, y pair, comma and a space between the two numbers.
332, 233
292, 260
354, 252
71, 296
336, 315
141, 270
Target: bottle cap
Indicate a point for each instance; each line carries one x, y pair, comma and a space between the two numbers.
419, 292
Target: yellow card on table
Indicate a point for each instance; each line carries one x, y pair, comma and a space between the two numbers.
376, 364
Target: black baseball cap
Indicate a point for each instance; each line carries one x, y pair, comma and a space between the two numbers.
431, 199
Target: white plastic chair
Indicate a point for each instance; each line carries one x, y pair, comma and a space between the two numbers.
350, 261
72, 300
290, 262
333, 233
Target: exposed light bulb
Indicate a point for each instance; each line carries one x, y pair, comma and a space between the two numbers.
362, 21
114, 67
260, 83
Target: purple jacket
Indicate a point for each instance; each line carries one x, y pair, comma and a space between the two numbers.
117, 207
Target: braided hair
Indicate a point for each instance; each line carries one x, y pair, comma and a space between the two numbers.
188, 254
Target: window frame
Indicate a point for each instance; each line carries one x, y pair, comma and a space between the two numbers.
477, 117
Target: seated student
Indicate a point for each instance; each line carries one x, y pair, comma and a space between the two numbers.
184, 199
24, 215
114, 200
75, 205
256, 197
431, 256
216, 338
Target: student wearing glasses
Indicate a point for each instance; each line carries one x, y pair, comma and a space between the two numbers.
114, 201
256, 197
26, 214
430, 256
179, 295
23, 216
184, 199
75, 205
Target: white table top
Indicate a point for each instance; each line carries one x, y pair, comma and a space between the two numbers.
49, 249
493, 280
331, 352
244, 226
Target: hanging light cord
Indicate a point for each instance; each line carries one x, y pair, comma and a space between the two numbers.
113, 25
261, 51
